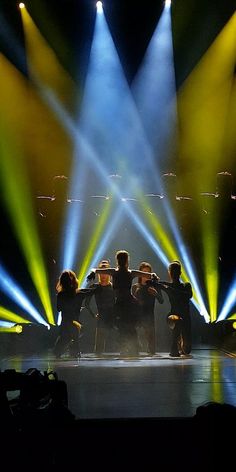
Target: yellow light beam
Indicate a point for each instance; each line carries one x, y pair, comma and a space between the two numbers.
203, 102
13, 329
44, 65
210, 243
18, 201
15, 183
98, 232
230, 135
8, 315
162, 237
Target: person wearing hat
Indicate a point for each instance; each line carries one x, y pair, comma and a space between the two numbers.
104, 298
147, 294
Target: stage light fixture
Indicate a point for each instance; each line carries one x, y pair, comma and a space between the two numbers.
168, 3
21, 5
18, 329
99, 7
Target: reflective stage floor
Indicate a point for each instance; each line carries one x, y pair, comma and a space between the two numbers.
144, 387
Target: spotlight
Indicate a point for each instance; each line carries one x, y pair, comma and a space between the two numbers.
99, 7
168, 3
18, 329
21, 5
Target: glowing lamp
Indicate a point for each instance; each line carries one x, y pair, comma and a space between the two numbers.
18, 329
99, 7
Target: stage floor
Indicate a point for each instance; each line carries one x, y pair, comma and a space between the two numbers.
144, 387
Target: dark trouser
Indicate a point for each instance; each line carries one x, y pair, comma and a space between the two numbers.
68, 338
176, 338
149, 334
186, 335
181, 337
126, 320
101, 336
128, 339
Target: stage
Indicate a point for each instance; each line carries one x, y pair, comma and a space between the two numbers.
111, 387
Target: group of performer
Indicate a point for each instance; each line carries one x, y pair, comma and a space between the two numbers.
124, 306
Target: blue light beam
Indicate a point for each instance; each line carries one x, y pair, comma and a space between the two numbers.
110, 124
229, 302
154, 89
11, 289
